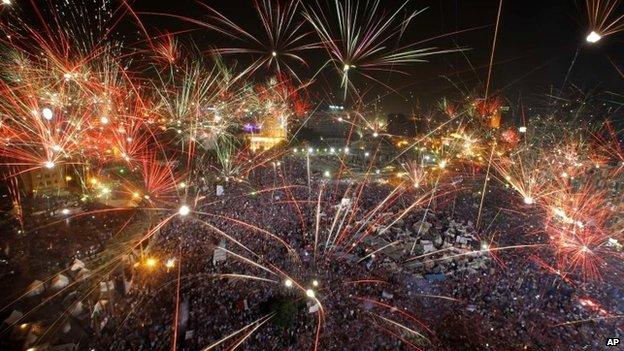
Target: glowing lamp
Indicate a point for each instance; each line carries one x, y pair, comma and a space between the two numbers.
529, 200
274, 54
184, 210
151, 262
47, 113
170, 263
288, 283
310, 293
593, 37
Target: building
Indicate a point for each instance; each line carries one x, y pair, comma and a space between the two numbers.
330, 124
44, 180
399, 124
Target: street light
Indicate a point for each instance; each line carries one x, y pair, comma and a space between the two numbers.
170, 263
184, 210
151, 262
593, 37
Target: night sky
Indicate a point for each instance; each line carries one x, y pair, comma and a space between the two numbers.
537, 43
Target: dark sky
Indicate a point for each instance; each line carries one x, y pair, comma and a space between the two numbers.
537, 42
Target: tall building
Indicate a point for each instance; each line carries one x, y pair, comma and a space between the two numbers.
332, 124
400, 125
45, 180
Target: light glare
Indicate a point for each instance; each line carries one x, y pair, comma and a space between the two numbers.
593, 37
184, 210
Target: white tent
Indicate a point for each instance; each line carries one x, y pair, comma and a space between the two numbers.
99, 306
76, 309
107, 286
59, 282
313, 307
345, 202
35, 288
77, 265
219, 254
127, 286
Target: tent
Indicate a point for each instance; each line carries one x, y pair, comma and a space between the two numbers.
313, 307
77, 265
59, 282
99, 307
35, 288
76, 309
107, 286
219, 254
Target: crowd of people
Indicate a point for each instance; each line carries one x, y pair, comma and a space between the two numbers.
284, 235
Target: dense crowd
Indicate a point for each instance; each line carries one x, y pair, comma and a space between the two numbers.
364, 305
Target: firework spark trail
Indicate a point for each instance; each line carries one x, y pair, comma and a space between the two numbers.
475, 252
394, 309
303, 223
174, 341
361, 44
258, 323
358, 197
151, 118
290, 250
498, 16
379, 250
424, 217
603, 17
318, 220
595, 319
401, 326
485, 182
189, 278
